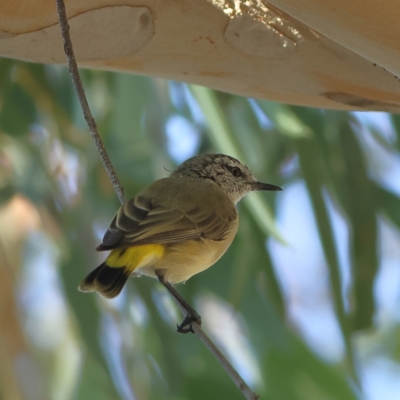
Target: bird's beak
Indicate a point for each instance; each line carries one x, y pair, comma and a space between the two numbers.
263, 186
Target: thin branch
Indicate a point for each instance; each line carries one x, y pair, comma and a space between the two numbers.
216, 352
73, 70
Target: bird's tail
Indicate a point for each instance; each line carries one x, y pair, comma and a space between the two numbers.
110, 277
106, 280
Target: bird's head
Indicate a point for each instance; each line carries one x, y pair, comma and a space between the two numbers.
233, 177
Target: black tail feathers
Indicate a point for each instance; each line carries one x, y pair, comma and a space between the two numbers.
106, 280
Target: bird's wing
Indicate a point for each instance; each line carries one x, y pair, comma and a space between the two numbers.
142, 220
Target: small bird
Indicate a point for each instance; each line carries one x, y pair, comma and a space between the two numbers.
176, 227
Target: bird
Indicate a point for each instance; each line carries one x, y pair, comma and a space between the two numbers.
176, 227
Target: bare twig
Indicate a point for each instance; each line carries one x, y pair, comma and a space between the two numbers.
216, 352
73, 70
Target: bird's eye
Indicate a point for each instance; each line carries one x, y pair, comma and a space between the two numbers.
236, 172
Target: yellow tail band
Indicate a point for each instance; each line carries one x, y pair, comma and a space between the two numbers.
110, 277
135, 257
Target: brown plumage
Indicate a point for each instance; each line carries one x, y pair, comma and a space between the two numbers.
177, 226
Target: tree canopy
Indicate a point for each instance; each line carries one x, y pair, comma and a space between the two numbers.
304, 303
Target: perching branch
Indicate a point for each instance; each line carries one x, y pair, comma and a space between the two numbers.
73, 70
216, 352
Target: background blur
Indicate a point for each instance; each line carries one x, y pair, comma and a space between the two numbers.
305, 307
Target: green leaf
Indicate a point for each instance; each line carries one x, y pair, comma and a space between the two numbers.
389, 204
312, 171
360, 207
95, 383
285, 120
18, 110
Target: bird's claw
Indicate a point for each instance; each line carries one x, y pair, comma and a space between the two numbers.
186, 325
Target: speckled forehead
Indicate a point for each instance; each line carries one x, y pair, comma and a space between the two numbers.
211, 162
224, 159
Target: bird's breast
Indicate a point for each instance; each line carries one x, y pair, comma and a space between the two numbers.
183, 260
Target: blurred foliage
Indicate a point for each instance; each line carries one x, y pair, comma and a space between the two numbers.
56, 201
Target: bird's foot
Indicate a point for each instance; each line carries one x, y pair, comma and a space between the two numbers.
186, 325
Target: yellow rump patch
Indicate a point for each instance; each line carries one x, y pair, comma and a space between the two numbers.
135, 257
